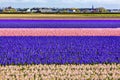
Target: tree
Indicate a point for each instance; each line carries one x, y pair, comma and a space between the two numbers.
102, 10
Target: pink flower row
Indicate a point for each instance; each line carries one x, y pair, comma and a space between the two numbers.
59, 32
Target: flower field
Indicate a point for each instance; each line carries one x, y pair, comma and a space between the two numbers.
59, 50
59, 23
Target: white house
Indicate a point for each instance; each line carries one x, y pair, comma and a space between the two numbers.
28, 10
48, 10
115, 10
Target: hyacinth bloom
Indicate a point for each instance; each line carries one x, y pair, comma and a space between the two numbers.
59, 23
59, 50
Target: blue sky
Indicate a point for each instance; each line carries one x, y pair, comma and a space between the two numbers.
61, 3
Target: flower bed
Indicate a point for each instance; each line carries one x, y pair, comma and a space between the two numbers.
59, 50
53, 72
59, 23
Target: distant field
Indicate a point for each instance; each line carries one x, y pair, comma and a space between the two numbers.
77, 16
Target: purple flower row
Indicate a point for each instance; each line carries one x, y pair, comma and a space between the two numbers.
59, 23
59, 50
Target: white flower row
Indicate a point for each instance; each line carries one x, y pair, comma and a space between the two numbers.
59, 72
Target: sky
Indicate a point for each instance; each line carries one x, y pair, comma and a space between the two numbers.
109, 4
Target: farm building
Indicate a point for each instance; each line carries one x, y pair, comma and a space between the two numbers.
71, 10
1, 10
35, 10
68, 10
48, 10
24, 10
88, 10
115, 10
85, 10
